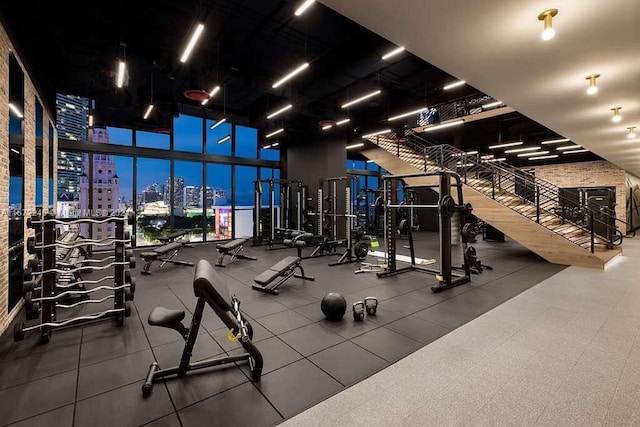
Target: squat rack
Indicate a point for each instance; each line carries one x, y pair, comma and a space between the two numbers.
446, 208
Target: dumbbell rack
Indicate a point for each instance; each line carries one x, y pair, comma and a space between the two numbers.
45, 294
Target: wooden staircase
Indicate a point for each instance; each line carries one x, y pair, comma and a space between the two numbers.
553, 239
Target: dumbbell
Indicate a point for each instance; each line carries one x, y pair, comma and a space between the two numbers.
31, 245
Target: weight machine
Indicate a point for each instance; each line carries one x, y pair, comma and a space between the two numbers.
447, 207
270, 226
44, 291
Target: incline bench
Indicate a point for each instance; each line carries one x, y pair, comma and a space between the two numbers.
282, 271
232, 248
169, 238
209, 289
159, 254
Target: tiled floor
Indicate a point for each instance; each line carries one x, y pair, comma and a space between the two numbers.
91, 376
565, 352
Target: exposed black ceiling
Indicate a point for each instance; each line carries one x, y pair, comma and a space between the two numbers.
246, 47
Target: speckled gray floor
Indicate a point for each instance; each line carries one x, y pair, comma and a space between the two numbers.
564, 352
91, 376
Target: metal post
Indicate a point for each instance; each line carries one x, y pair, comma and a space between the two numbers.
118, 300
391, 198
537, 204
445, 233
257, 203
272, 209
493, 185
334, 210
320, 213
592, 232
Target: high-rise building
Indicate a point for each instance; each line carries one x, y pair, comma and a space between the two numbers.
178, 192
192, 196
102, 193
72, 116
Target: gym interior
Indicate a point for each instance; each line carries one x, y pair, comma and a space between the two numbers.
308, 213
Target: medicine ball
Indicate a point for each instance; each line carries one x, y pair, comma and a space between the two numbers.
333, 306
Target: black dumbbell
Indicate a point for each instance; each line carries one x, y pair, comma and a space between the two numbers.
33, 264
371, 305
31, 245
27, 275
358, 311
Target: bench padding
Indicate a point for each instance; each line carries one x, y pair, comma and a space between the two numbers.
208, 281
229, 246
172, 236
267, 276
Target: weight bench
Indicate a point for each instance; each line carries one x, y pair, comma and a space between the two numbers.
209, 289
175, 236
232, 248
158, 254
283, 270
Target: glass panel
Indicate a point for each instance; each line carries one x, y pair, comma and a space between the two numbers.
217, 134
72, 116
39, 120
270, 154
187, 198
51, 171
153, 140
246, 142
111, 135
70, 168
244, 186
187, 133
152, 200
218, 201
371, 166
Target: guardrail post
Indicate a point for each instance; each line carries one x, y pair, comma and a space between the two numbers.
592, 232
493, 185
537, 204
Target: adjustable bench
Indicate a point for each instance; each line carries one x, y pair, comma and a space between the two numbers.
158, 254
283, 270
232, 248
208, 289
175, 236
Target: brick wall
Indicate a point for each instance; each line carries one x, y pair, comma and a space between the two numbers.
30, 95
588, 174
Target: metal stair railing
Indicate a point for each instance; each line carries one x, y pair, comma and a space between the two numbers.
538, 200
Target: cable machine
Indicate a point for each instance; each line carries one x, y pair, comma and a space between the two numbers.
447, 207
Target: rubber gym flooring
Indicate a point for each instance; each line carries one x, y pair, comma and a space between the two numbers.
92, 376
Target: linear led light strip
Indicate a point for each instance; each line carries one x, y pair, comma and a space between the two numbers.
555, 141
520, 150
393, 52
454, 85
382, 132
192, 42
399, 116
552, 156
443, 125
292, 74
15, 110
359, 144
274, 133
280, 111
362, 98
568, 147
225, 139
275, 144
303, 7
508, 144
498, 159
148, 112
218, 123
341, 122
536, 153
492, 104
575, 151
122, 66
213, 92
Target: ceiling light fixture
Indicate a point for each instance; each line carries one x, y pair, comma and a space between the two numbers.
292, 74
632, 132
568, 147
546, 16
454, 85
224, 139
508, 144
148, 112
362, 98
555, 141
218, 123
369, 161
192, 42
443, 125
551, 156
393, 52
275, 144
264, 147
520, 150
90, 120
617, 118
575, 151
15, 110
592, 89
359, 144
282, 110
536, 153
327, 127
382, 132
303, 7
492, 104
274, 133
122, 68
471, 153
212, 93
498, 159
399, 116
343, 121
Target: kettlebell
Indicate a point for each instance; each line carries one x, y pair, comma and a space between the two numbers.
371, 305
358, 311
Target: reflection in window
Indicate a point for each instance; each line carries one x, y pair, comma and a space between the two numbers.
187, 133
244, 191
157, 140
188, 199
246, 142
152, 200
218, 202
219, 133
